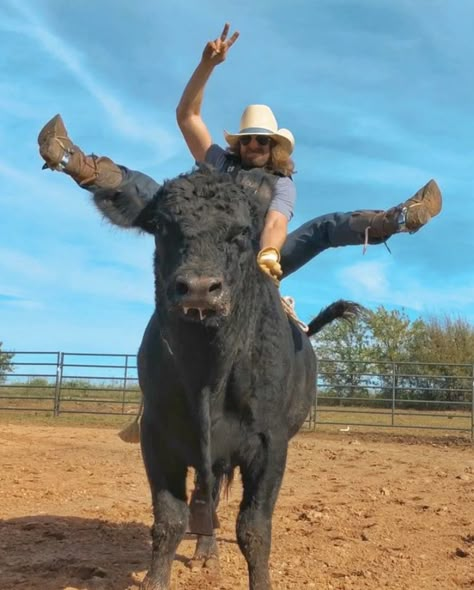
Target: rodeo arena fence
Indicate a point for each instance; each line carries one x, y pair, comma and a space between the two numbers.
355, 393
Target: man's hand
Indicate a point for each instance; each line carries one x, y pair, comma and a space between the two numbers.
215, 51
268, 259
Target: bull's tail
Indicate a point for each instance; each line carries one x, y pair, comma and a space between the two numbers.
341, 309
131, 432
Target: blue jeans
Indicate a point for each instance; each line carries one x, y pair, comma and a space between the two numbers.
313, 237
304, 243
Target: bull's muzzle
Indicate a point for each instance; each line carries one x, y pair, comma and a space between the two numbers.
200, 296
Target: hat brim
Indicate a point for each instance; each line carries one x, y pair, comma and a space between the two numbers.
232, 138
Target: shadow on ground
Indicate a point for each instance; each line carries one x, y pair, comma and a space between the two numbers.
51, 553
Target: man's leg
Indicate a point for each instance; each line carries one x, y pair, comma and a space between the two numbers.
359, 227
91, 172
118, 192
59, 153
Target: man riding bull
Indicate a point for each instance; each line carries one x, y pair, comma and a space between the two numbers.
258, 145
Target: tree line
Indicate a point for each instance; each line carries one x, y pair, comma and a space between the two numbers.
6, 365
383, 351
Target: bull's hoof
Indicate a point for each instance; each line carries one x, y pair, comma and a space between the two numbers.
206, 555
149, 584
210, 563
209, 566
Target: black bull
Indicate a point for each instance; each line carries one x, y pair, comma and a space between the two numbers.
227, 378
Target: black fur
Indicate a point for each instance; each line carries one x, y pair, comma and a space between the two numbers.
226, 391
341, 309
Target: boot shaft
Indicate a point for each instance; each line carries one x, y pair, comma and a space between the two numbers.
59, 153
408, 216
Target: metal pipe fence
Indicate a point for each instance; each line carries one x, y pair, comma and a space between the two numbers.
375, 394
67, 383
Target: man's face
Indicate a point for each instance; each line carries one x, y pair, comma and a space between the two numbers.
255, 150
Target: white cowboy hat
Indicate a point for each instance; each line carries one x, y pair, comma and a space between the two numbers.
258, 119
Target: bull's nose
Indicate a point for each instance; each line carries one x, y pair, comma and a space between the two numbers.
199, 288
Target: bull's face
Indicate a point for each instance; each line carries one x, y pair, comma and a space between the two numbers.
205, 248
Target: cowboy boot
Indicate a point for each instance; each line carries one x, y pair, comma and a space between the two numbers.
409, 216
59, 153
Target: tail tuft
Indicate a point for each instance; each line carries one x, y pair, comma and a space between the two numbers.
131, 432
348, 311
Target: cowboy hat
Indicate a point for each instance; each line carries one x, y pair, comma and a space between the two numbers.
258, 119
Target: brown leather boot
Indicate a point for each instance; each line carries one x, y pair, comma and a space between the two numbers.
409, 216
59, 153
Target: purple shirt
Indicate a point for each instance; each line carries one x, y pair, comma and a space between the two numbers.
284, 192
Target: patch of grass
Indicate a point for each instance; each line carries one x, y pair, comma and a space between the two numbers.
75, 420
357, 420
403, 421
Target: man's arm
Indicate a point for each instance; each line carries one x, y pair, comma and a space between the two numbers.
272, 239
188, 112
276, 227
275, 231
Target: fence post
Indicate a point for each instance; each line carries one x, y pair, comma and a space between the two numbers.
59, 379
394, 390
472, 406
315, 406
125, 381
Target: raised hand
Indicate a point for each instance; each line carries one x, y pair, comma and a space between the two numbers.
215, 51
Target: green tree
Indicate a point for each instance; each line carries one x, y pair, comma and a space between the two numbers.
392, 334
447, 344
6, 366
445, 339
393, 338
344, 350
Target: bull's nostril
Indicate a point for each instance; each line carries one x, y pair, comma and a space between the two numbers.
182, 288
215, 286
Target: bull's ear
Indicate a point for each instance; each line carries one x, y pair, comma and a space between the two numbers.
125, 210
146, 220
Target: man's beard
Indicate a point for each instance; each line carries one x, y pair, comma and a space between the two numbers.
255, 160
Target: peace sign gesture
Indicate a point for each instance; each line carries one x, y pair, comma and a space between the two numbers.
215, 51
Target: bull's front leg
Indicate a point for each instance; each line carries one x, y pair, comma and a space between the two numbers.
167, 481
206, 553
261, 478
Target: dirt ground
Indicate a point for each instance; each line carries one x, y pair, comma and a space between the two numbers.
355, 512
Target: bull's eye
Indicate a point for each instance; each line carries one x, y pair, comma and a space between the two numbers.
167, 229
161, 229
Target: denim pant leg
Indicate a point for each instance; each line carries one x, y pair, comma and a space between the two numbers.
134, 185
124, 203
318, 234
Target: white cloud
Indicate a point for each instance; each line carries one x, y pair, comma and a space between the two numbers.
69, 270
383, 283
21, 264
367, 277
361, 143
125, 123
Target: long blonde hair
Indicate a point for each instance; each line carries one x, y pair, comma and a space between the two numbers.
280, 159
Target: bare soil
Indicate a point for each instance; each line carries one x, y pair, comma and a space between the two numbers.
355, 511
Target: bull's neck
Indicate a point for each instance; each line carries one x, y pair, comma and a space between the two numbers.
208, 353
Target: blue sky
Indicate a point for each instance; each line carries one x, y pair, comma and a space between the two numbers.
378, 94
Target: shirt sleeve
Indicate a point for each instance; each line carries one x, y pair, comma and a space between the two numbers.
217, 157
284, 197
